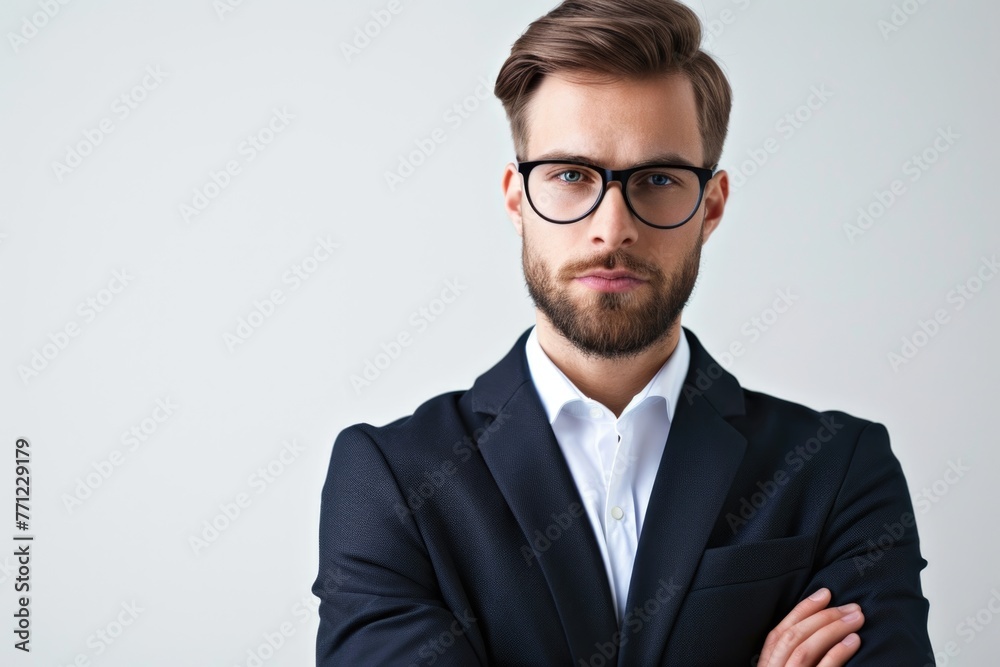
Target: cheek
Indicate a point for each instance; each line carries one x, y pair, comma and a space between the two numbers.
541, 236
556, 250
669, 253
680, 241
545, 248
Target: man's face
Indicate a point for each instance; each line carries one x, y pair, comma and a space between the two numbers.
615, 125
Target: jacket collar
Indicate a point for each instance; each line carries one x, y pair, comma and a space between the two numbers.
705, 376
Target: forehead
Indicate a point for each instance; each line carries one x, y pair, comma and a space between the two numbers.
615, 123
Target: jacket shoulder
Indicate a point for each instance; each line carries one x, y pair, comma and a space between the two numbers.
764, 409
429, 433
777, 426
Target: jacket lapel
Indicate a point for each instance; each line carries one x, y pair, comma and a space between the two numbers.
702, 454
531, 472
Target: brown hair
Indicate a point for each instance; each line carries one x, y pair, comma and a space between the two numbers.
618, 38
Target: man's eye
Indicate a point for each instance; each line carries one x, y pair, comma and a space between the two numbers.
570, 176
659, 179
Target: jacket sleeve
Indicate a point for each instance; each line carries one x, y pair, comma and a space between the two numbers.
869, 553
379, 599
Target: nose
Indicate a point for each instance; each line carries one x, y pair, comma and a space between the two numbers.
612, 223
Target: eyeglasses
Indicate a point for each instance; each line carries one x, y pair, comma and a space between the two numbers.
664, 196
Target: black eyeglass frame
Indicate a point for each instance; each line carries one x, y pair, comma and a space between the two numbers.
704, 174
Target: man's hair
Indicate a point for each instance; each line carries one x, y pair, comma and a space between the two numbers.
617, 39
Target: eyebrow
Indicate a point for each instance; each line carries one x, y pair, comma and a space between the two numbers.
660, 158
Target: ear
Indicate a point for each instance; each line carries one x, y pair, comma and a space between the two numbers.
512, 195
716, 194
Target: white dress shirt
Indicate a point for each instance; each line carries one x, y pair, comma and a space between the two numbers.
613, 461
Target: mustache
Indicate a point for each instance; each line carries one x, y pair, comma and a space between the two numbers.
615, 260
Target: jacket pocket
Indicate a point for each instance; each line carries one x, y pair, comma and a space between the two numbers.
754, 561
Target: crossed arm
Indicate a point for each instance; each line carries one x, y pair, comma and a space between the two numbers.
871, 564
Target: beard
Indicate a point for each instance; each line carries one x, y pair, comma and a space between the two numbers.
612, 325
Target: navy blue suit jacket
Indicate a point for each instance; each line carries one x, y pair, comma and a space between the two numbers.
456, 536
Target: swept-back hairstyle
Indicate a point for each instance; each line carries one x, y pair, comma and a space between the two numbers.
620, 39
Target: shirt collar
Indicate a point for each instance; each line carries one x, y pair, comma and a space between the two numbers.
557, 391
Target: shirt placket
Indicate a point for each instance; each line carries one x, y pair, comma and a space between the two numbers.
619, 511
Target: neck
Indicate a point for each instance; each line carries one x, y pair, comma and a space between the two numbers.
612, 382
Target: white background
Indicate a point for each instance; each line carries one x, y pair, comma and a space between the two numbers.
62, 237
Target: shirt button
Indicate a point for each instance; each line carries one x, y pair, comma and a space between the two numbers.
617, 512
596, 412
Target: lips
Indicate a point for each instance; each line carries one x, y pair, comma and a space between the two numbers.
611, 281
611, 275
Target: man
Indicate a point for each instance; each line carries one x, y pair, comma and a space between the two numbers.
607, 493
